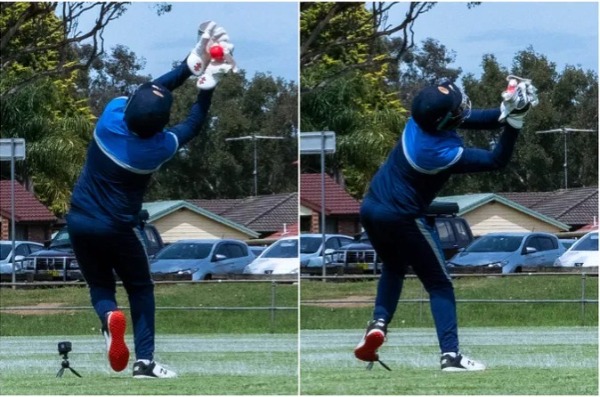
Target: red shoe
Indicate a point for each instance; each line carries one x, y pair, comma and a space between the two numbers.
114, 333
366, 350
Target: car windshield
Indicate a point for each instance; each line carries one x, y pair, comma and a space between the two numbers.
310, 245
61, 239
185, 251
282, 249
495, 244
588, 243
5, 250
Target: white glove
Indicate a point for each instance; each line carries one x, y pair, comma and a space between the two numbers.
199, 58
519, 97
220, 55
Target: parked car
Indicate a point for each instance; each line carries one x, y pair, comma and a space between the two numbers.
313, 251
22, 249
510, 252
583, 253
50, 262
281, 257
454, 233
201, 259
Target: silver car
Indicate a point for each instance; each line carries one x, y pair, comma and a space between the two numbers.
201, 259
22, 249
312, 248
511, 252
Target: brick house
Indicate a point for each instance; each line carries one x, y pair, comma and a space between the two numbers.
341, 209
33, 220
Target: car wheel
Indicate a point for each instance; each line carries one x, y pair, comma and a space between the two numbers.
207, 277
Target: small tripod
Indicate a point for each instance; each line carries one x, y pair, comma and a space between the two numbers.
65, 365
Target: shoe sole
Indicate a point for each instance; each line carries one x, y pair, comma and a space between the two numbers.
118, 353
367, 350
455, 369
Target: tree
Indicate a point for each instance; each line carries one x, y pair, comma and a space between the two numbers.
38, 39
44, 63
567, 98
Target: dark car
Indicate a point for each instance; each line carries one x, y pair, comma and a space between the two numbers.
454, 233
49, 263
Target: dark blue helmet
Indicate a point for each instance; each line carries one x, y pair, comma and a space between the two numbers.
441, 107
148, 110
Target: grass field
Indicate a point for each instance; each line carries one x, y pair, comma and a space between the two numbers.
523, 361
263, 364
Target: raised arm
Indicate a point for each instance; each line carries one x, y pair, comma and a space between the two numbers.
481, 160
190, 127
482, 119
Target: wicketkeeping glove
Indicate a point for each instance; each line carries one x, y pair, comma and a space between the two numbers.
212, 56
518, 98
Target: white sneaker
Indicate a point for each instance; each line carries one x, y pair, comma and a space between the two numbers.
142, 370
454, 362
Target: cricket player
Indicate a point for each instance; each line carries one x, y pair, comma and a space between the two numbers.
130, 143
393, 211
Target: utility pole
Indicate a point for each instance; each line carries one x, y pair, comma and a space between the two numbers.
254, 138
565, 131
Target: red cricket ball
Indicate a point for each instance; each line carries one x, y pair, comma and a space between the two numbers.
216, 52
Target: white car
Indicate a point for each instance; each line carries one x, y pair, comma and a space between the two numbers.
281, 257
583, 253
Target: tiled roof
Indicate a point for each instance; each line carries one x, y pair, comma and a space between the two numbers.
469, 202
337, 200
266, 213
577, 206
158, 209
27, 207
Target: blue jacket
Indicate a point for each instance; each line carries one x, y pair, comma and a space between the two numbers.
119, 164
421, 163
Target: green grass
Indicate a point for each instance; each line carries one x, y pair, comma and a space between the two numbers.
523, 361
197, 295
315, 315
260, 364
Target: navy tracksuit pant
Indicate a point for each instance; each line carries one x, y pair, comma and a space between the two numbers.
102, 248
403, 241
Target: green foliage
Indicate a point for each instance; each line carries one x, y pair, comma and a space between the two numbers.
567, 99
345, 92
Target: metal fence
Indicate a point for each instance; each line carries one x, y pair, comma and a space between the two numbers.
273, 307
582, 300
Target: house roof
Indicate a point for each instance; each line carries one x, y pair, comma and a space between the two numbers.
159, 209
469, 202
337, 200
27, 207
288, 230
267, 213
578, 206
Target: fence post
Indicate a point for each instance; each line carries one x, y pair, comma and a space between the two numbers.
273, 286
583, 280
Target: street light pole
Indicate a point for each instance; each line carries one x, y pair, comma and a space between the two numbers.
564, 131
253, 137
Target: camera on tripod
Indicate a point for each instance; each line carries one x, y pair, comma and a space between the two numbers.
63, 349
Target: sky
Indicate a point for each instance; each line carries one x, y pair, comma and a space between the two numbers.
265, 34
565, 32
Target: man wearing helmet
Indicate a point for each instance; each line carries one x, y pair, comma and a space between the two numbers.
130, 143
393, 211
